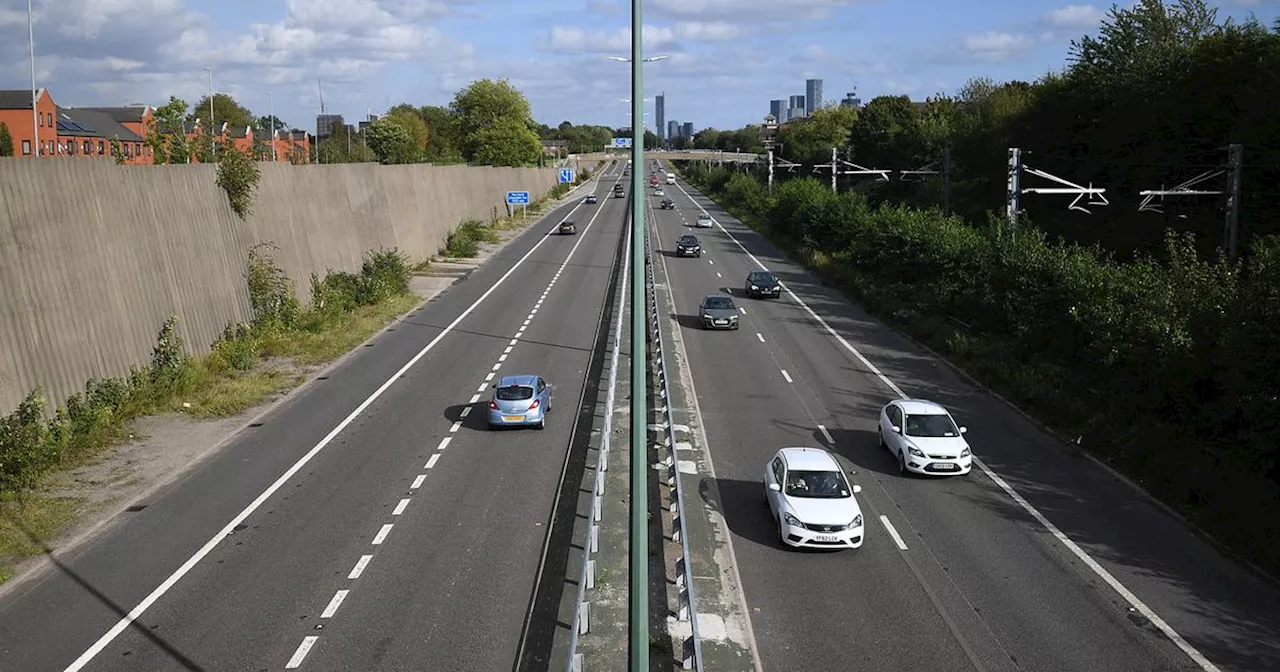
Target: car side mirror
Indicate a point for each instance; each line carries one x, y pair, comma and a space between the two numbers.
963, 430
493, 386
897, 429
857, 489
775, 487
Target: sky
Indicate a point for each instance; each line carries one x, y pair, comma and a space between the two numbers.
726, 58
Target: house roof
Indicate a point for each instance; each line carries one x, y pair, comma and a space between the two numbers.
86, 123
130, 114
17, 99
238, 132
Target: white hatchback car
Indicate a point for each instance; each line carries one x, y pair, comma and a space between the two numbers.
703, 221
924, 438
812, 503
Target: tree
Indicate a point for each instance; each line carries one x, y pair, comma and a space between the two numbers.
489, 110
225, 110
444, 142
411, 119
506, 142
886, 131
391, 142
167, 136
117, 151
6, 140
810, 140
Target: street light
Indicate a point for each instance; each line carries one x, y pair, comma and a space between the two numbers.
651, 59
213, 149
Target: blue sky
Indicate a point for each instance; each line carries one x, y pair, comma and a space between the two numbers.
727, 58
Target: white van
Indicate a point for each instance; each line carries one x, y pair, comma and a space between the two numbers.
671, 178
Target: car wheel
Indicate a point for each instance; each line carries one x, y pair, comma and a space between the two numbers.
542, 424
902, 463
880, 437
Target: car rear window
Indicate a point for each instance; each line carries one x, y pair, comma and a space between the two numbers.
514, 393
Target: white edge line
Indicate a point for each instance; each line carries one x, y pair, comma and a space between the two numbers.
336, 602
400, 507
253, 506
431, 463
1084, 557
893, 532
361, 564
303, 649
826, 435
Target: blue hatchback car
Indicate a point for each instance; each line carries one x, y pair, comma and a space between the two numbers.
520, 401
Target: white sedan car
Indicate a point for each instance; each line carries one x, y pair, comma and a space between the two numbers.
924, 438
812, 503
703, 221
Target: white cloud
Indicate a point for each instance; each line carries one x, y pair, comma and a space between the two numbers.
1075, 17
708, 31
996, 46
570, 39
778, 10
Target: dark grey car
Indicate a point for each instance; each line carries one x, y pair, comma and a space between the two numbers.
762, 284
718, 311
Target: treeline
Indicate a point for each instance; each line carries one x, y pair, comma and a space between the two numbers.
1164, 363
1150, 102
588, 138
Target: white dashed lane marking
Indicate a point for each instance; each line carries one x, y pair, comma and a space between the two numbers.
359, 568
742, 310
786, 375
456, 426
303, 649
381, 536
444, 442
826, 435
432, 462
404, 504
336, 602
759, 336
417, 482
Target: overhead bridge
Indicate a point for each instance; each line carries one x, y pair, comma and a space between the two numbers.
675, 155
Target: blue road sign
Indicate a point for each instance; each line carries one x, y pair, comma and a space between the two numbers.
517, 198
622, 142
566, 176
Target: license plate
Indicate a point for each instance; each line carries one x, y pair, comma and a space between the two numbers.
722, 321
513, 418
944, 466
825, 537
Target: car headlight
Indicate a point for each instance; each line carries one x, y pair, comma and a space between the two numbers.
754, 287
707, 316
915, 451
965, 452
857, 521
791, 520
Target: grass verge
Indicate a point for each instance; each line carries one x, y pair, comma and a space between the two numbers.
248, 363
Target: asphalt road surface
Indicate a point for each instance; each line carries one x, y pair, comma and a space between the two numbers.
410, 541
973, 580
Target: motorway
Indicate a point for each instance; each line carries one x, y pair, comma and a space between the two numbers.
955, 574
344, 534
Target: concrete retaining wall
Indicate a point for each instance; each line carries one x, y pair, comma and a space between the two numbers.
94, 257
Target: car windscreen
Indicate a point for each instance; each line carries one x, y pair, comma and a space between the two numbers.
817, 484
688, 240
704, 216
718, 303
764, 278
927, 426
514, 393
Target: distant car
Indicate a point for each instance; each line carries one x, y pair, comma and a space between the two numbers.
924, 438
520, 401
568, 228
812, 503
668, 204
591, 199
703, 221
618, 193
688, 245
718, 311
659, 192
763, 284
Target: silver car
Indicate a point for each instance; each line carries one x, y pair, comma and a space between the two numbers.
718, 311
703, 222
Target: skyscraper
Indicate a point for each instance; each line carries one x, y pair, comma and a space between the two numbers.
778, 108
797, 103
660, 115
686, 131
673, 129
812, 95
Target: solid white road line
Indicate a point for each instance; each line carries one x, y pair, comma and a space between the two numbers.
417, 482
1066, 541
826, 435
897, 538
381, 536
787, 376
432, 462
336, 602
359, 568
760, 336
303, 649
444, 443
400, 507
208, 547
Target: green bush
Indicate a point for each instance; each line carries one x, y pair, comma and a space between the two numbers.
464, 241
1172, 346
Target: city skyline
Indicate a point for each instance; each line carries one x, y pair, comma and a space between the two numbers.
721, 54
